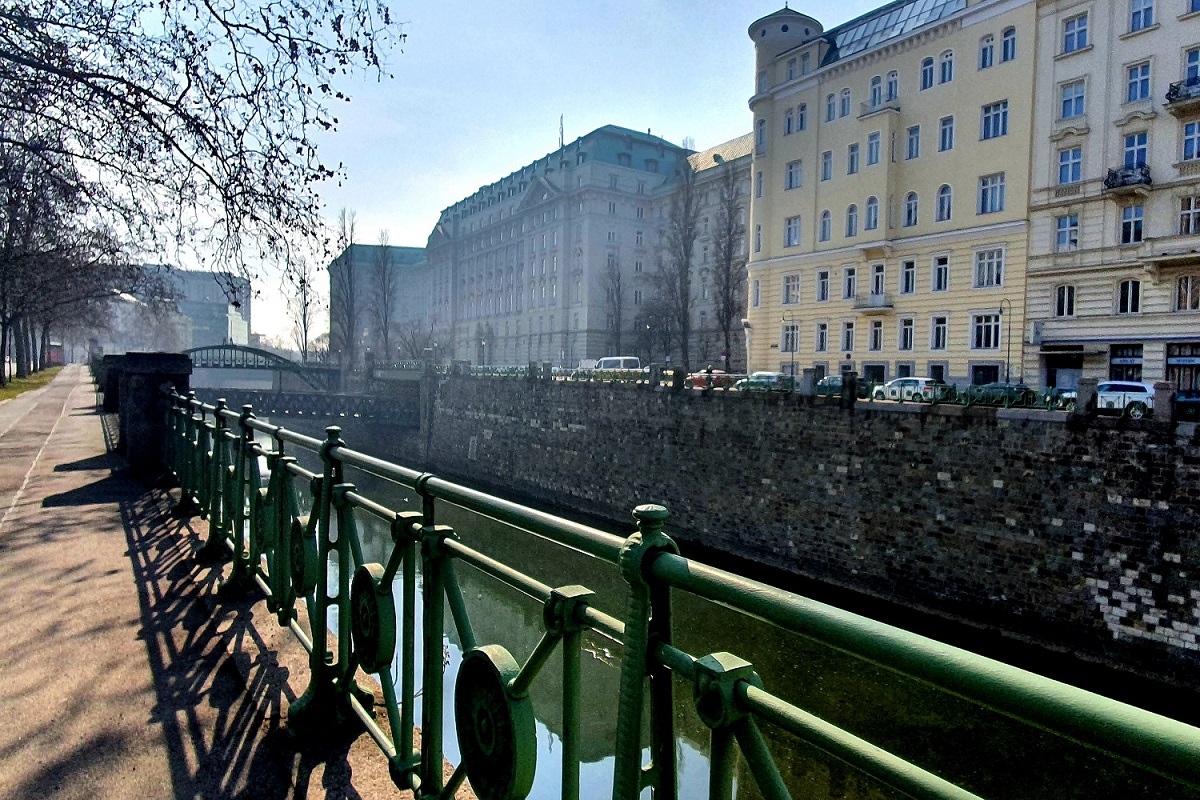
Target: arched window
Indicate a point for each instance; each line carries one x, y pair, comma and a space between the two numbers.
1008, 45
910, 209
926, 73
945, 202
826, 226
946, 67
844, 110
872, 216
830, 107
876, 92
787, 122
893, 85
987, 51
760, 141
802, 116
852, 220
1064, 301
1129, 297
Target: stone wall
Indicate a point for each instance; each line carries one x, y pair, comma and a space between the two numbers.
1084, 536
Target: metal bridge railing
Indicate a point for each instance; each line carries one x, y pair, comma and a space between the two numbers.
240, 473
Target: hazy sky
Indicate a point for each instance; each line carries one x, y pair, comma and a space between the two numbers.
478, 91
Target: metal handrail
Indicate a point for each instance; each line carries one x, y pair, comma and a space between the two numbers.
249, 492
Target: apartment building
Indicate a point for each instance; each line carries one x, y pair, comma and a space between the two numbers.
1114, 261
888, 223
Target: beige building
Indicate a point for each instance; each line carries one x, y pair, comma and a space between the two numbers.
889, 209
1114, 263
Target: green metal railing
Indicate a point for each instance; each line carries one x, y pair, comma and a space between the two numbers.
240, 473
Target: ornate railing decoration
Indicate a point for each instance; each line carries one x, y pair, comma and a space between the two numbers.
1135, 177
242, 474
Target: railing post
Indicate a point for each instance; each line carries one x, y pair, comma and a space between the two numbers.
647, 620
245, 550
433, 599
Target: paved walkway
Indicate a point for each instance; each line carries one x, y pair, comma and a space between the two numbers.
121, 675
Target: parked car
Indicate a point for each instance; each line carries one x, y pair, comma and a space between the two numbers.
1061, 399
765, 382
831, 386
619, 362
720, 378
1133, 398
918, 389
1003, 394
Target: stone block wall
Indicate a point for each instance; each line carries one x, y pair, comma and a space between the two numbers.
1082, 536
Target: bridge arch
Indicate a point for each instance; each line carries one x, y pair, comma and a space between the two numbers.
237, 356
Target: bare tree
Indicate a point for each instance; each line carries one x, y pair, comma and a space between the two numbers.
384, 283
415, 339
193, 121
614, 299
729, 271
673, 280
344, 313
302, 306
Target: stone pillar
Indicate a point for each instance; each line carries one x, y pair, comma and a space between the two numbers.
808, 384
1162, 401
849, 390
110, 382
143, 406
1085, 396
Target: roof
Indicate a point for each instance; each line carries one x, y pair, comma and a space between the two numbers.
726, 151
887, 22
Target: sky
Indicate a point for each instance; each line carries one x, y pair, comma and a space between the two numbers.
479, 87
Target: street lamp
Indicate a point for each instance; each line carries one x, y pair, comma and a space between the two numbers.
1007, 340
790, 318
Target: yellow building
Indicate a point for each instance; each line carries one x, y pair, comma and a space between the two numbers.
1114, 266
890, 187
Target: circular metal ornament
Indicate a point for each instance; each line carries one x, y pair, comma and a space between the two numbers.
304, 557
495, 730
373, 618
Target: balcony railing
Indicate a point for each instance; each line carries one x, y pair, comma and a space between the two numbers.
873, 108
1128, 180
873, 301
1183, 96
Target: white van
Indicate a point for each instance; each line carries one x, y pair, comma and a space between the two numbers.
619, 362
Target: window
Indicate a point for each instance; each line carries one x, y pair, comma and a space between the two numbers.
910, 209
989, 268
991, 193
791, 232
758, 238
639, 238
1071, 97
844, 107
937, 333
987, 51
985, 332
1192, 72
612, 211
941, 273
826, 226
1141, 14
1008, 45
852, 158
994, 120
849, 283
945, 203
760, 141
830, 107
1137, 82
873, 147
802, 116
804, 63
946, 67
822, 286
893, 85
1189, 215
762, 81
1066, 233
791, 68
1129, 297
905, 339
1191, 141
926, 73
821, 340
1135, 149
878, 279
637, 297
1187, 293
1070, 165
792, 178
876, 91
848, 337
875, 341
1064, 301
789, 341
908, 277
946, 134
826, 165
852, 220
1075, 33
787, 122
755, 293
1131, 223
913, 148
791, 289
758, 184
871, 222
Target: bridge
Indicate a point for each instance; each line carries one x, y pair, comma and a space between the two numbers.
320, 378
399, 558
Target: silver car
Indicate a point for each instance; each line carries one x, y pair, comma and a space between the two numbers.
1133, 398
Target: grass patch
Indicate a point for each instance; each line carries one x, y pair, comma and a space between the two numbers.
18, 385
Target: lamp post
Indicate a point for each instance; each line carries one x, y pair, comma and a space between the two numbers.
790, 318
1007, 340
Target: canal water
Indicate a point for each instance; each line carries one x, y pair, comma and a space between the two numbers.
985, 752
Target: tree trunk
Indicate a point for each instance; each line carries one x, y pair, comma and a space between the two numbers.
20, 349
43, 351
4, 327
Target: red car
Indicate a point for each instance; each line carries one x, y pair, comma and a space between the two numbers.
720, 378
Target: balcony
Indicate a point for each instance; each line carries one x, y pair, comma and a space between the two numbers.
1123, 181
1183, 97
867, 109
874, 303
